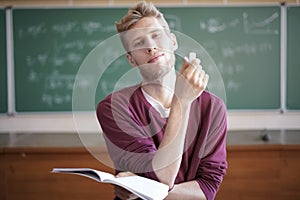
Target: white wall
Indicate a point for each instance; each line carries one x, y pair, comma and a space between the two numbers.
87, 122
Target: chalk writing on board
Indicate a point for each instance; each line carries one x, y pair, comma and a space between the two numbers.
64, 29
108, 29
61, 54
56, 82
56, 99
215, 25
232, 85
33, 30
228, 65
260, 27
40, 59
54, 68
231, 69
91, 27
174, 22
75, 44
230, 49
33, 76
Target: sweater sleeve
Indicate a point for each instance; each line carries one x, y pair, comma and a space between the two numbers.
213, 163
126, 142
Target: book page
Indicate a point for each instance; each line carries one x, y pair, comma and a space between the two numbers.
142, 187
87, 172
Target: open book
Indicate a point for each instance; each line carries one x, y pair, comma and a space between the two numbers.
142, 187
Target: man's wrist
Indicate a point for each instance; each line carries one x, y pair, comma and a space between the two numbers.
183, 105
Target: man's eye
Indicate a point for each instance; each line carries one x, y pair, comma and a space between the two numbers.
139, 43
156, 35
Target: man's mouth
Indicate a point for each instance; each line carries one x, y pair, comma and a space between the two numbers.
155, 58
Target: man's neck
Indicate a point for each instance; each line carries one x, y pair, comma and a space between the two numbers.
162, 90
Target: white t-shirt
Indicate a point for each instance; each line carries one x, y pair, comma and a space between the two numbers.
164, 112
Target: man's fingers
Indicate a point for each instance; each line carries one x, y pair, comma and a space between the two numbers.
189, 66
123, 174
193, 72
201, 75
184, 65
123, 194
196, 64
205, 80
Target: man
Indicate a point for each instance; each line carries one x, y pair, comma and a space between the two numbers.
168, 128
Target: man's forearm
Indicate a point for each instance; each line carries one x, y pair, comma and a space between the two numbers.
168, 158
187, 190
190, 83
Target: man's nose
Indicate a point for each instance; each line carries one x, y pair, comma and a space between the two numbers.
150, 49
150, 45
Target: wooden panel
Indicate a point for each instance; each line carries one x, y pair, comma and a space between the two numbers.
290, 174
257, 163
29, 177
251, 174
2, 176
255, 173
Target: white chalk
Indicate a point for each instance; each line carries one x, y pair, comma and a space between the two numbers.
192, 56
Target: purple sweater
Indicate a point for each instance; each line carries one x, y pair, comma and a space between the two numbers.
133, 130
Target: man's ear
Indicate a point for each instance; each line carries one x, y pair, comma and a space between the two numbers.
131, 60
174, 42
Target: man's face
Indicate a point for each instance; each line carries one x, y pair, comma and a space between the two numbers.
151, 48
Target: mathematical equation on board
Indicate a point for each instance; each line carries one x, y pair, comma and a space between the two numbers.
228, 50
224, 51
262, 27
63, 30
57, 87
53, 62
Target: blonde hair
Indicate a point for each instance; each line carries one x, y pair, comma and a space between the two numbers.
137, 12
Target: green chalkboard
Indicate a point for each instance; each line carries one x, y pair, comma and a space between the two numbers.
244, 43
3, 69
50, 45
293, 58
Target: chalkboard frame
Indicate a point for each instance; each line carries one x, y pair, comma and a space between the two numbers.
292, 75
3, 64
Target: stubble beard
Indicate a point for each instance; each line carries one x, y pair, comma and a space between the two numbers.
157, 73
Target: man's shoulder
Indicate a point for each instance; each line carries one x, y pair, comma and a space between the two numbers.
209, 95
210, 98
121, 95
